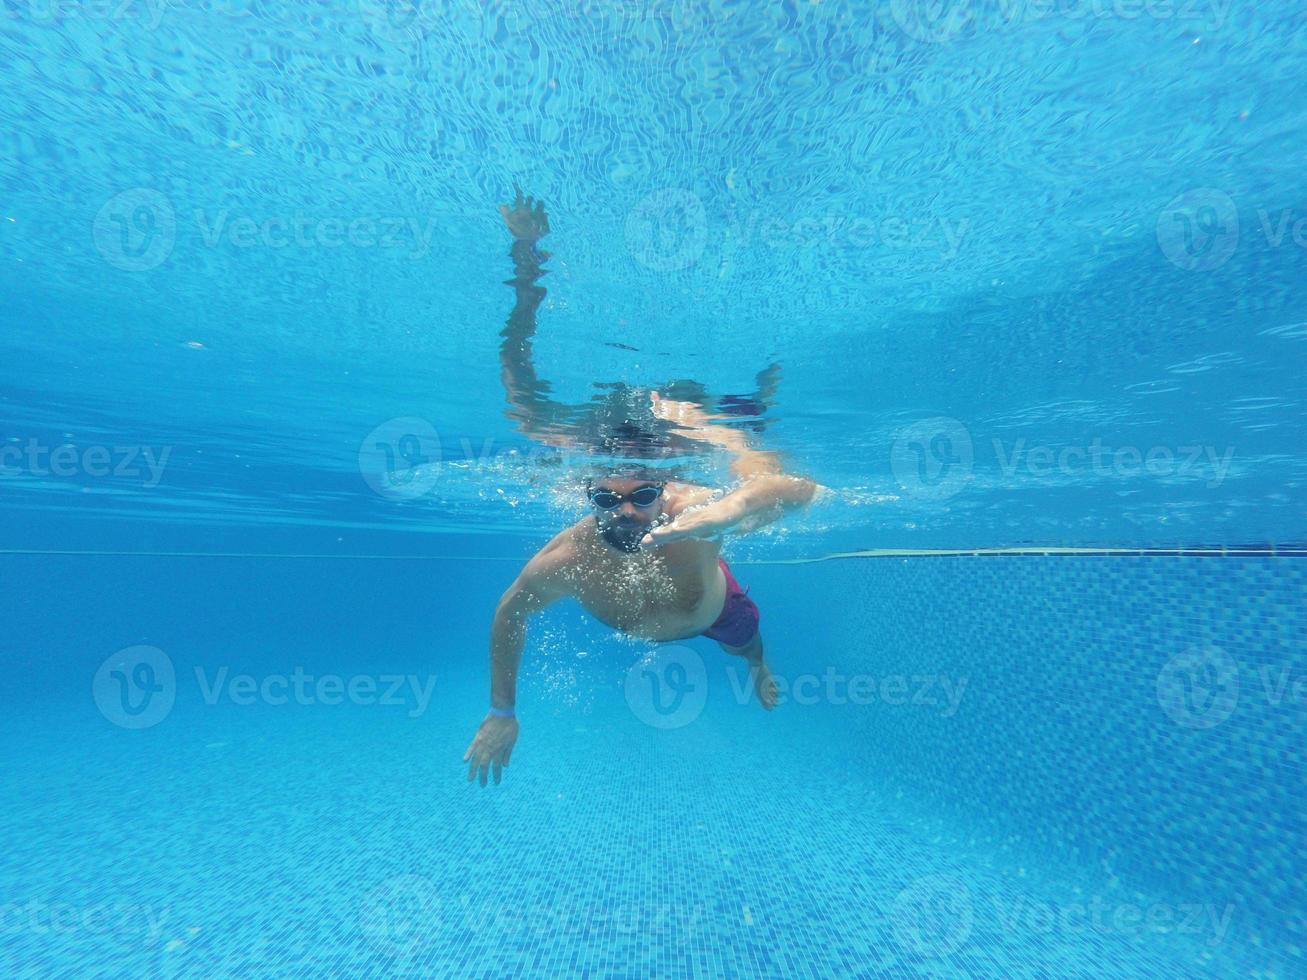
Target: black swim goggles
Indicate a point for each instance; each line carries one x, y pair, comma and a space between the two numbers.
606, 499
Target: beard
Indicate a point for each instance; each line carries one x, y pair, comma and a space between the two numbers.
626, 536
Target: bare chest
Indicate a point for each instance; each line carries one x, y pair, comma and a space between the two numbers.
654, 594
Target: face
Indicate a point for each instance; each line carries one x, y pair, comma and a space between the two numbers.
628, 522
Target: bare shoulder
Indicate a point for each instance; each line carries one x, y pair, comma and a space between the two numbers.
552, 568
682, 496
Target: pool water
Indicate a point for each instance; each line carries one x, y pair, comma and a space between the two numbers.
285, 411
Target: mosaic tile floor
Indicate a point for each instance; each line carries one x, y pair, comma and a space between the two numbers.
306, 841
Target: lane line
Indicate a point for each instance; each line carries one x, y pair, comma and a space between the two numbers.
1269, 551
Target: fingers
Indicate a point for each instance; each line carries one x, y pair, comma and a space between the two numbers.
482, 760
482, 757
478, 756
517, 201
662, 535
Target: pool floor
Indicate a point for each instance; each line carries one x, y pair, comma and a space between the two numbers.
306, 840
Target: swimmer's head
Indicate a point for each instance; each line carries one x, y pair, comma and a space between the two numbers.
627, 503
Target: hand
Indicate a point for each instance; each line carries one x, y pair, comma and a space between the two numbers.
708, 521
527, 223
491, 746
682, 413
692, 419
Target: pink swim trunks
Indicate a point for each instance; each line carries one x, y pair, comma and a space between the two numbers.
738, 622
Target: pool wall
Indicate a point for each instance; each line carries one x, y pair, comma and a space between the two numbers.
1142, 716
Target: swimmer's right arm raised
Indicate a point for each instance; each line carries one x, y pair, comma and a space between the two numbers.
535, 587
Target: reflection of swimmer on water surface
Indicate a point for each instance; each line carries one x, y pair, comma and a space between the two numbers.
619, 420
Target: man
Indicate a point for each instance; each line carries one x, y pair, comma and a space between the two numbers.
644, 561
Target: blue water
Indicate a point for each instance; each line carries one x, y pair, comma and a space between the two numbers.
282, 414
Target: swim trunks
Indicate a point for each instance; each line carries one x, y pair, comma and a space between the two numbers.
738, 622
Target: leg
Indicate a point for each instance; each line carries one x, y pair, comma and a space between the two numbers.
763, 683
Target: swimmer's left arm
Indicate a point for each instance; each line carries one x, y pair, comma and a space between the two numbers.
756, 502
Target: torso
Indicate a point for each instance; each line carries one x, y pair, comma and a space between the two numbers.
666, 593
